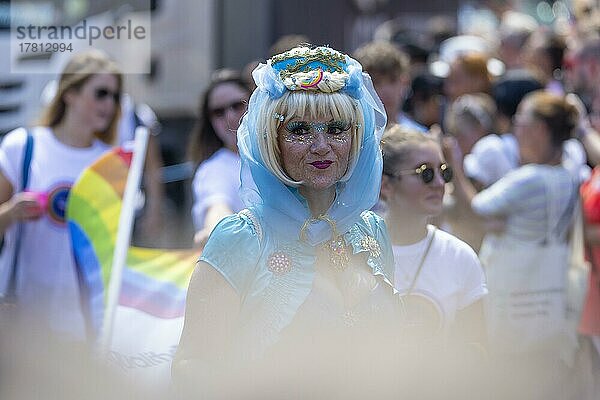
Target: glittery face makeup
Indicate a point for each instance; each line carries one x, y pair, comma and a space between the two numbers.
305, 132
315, 151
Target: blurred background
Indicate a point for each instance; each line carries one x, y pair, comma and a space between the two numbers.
192, 38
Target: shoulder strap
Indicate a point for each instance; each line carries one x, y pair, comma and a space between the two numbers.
420, 267
28, 152
11, 291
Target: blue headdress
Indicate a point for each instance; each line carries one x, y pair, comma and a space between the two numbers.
318, 70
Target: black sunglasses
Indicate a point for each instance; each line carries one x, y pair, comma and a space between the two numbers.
427, 173
102, 93
236, 106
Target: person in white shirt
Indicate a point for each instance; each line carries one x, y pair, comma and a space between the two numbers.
438, 276
77, 127
213, 150
525, 261
494, 155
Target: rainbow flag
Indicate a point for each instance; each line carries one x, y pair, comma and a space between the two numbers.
149, 316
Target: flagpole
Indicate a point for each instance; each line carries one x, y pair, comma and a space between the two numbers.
123, 236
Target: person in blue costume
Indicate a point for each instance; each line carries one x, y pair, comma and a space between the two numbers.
304, 273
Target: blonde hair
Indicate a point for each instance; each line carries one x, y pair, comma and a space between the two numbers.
559, 116
383, 58
293, 104
75, 74
398, 142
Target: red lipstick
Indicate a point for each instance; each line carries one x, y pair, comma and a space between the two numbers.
321, 164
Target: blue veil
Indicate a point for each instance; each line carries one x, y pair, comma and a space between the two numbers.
281, 206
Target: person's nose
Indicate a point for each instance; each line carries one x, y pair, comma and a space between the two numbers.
231, 114
320, 145
233, 118
438, 181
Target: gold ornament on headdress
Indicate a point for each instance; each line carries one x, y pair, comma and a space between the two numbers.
320, 69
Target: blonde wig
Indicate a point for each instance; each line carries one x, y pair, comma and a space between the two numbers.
304, 104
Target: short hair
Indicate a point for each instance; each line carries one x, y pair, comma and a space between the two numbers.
81, 68
397, 143
474, 108
423, 87
475, 64
509, 90
559, 116
311, 104
384, 58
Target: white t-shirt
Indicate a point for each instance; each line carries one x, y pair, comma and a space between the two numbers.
450, 280
493, 156
526, 197
46, 277
217, 180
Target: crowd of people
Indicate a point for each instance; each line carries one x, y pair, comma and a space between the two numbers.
367, 225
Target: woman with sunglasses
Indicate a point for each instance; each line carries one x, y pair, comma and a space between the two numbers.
76, 127
213, 150
289, 293
438, 275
